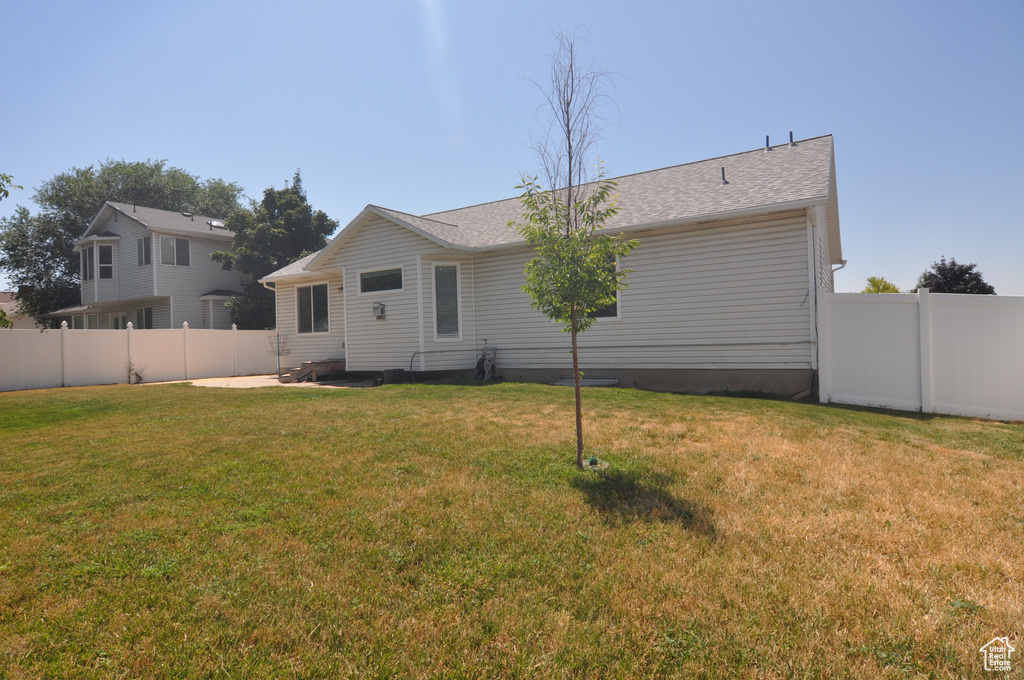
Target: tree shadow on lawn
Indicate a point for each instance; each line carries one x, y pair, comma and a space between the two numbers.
628, 496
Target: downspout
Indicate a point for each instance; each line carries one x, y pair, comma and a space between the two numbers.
344, 314
812, 267
419, 306
272, 286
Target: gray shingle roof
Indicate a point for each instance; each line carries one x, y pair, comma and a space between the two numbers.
785, 176
297, 267
165, 220
756, 179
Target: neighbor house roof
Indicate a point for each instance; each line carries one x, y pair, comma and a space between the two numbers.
760, 181
166, 221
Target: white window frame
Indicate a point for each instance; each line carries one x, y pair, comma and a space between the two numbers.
458, 299
100, 265
174, 250
389, 291
311, 285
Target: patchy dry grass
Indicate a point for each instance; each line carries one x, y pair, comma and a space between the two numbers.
422, 531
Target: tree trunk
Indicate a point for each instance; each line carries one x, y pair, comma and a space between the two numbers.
579, 405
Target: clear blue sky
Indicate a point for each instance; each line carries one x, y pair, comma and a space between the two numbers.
424, 106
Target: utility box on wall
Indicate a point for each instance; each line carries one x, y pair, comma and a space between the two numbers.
378, 310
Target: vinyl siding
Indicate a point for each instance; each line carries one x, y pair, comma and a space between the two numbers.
733, 295
380, 344
310, 346
823, 268
133, 281
184, 285
449, 353
130, 281
216, 315
729, 295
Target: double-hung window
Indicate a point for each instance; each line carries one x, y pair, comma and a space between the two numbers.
106, 262
314, 312
175, 251
446, 301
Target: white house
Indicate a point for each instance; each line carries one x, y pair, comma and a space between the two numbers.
152, 268
722, 295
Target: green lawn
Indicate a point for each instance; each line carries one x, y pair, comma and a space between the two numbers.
442, 531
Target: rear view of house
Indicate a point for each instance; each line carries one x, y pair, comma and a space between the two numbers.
152, 268
722, 294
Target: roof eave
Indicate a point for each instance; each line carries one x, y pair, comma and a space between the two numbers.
785, 206
349, 228
108, 206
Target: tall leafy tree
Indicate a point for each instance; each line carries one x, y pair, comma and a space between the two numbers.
37, 251
954, 277
574, 274
878, 284
275, 232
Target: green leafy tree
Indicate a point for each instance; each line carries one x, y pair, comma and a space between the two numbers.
6, 184
38, 251
574, 274
278, 230
953, 277
878, 284
5, 321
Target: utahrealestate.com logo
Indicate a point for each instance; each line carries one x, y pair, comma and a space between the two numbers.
997, 653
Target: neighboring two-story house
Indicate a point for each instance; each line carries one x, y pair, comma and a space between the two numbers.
152, 268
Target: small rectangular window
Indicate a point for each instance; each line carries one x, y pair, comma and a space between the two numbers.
145, 248
446, 300
106, 262
314, 311
381, 280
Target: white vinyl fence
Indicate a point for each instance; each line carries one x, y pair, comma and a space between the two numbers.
32, 359
936, 353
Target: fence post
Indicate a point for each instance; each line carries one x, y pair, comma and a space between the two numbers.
184, 345
128, 329
925, 318
234, 350
63, 353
